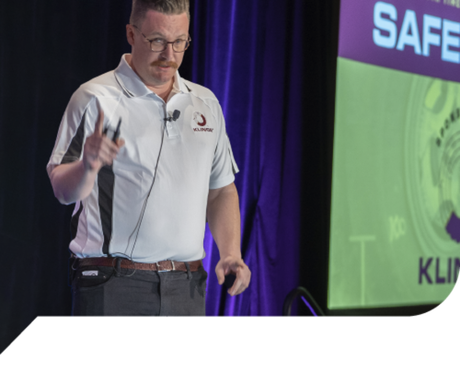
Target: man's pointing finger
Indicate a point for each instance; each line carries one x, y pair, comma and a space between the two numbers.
100, 120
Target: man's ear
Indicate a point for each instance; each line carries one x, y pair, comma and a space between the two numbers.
130, 34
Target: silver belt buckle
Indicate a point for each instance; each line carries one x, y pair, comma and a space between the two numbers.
166, 270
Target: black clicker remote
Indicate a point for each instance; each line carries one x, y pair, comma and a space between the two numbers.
117, 132
229, 280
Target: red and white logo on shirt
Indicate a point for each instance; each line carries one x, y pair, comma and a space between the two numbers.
199, 123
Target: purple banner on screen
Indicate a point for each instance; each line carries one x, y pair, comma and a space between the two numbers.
419, 36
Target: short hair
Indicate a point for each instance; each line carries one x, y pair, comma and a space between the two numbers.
168, 7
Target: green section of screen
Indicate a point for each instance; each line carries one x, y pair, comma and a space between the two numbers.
396, 186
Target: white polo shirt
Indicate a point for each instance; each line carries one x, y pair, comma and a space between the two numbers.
195, 156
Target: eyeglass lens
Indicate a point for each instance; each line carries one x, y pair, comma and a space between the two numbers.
160, 45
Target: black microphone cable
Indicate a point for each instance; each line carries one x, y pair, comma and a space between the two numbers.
144, 206
136, 230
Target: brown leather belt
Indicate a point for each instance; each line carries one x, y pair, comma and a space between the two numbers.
161, 266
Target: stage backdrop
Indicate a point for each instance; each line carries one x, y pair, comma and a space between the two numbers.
265, 61
251, 69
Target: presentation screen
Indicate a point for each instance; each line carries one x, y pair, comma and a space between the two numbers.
395, 210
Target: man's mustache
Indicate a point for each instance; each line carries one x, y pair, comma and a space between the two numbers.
164, 63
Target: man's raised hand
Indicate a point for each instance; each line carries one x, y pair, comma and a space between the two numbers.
99, 150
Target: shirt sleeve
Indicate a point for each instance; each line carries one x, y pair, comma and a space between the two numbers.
78, 119
224, 166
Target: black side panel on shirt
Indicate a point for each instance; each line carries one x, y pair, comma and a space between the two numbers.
106, 182
74, 222
76, 146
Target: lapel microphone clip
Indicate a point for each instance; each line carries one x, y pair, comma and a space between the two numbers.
174, 117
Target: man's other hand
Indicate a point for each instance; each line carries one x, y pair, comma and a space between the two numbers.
237, 266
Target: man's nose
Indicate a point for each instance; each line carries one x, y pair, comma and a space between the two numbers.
168, 53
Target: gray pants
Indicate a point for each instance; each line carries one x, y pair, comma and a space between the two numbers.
98, 291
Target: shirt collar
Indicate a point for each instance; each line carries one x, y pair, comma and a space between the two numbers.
133, 85
176, 89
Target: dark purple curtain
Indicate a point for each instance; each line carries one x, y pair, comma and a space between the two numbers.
272, 65
266, 62
250, 55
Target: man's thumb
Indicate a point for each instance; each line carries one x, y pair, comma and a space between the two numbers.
220, 275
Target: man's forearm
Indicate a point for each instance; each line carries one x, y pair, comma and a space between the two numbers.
223, 215
224, 222
72, 182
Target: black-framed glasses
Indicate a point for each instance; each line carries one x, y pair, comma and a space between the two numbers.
159, 44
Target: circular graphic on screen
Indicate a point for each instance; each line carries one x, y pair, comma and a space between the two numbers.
432, 165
